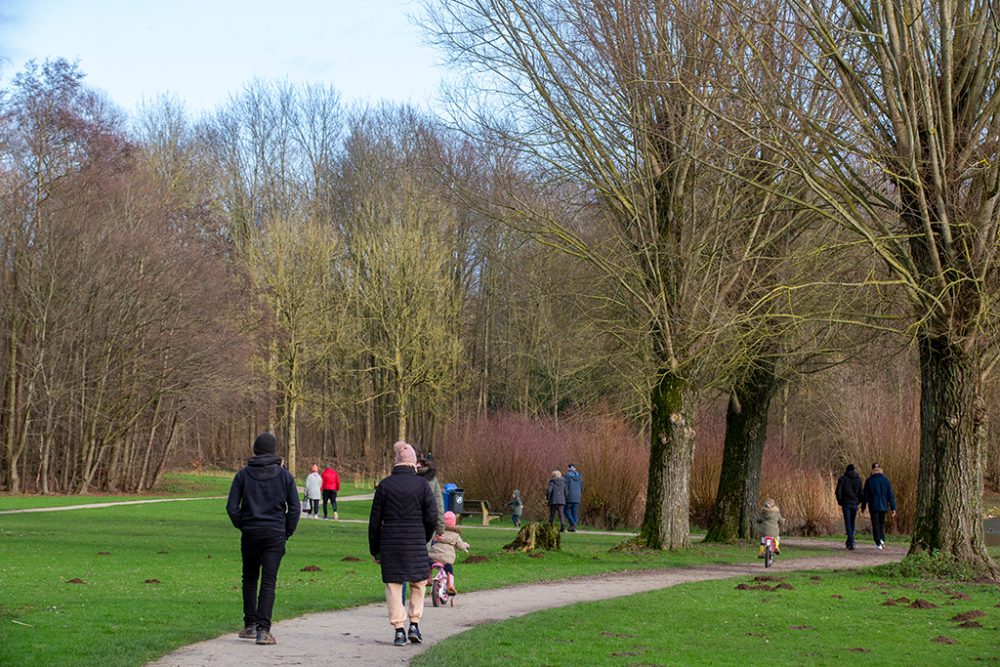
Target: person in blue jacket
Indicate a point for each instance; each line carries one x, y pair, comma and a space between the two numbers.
878, 497
574, 491
264, 504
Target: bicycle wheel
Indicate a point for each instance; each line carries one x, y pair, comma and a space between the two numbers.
436, 592
768, 556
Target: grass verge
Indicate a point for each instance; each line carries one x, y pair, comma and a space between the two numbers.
156, 577
827, 618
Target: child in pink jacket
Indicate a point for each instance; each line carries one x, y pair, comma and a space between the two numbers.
443, 548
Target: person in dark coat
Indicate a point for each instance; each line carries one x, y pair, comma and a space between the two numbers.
264, 504
879, 498
427, 470
402, 522
849, 498
555, 496
574, 492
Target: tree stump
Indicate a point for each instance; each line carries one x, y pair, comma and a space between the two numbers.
536, 536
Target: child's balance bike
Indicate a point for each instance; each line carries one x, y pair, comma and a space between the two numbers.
439, 587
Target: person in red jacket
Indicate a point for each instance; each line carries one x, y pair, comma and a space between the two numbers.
331, 485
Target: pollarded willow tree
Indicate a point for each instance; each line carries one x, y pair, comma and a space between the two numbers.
912, 166
597, 99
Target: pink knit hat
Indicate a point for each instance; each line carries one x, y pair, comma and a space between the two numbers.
405, 456
449, 519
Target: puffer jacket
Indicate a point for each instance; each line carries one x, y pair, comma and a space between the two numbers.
443, 548
555, 494
769, 522
400, 525
331, 480
263, 497
314, 484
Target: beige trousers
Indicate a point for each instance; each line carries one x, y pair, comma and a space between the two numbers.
394, 599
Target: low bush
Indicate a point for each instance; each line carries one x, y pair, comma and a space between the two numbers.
490, 457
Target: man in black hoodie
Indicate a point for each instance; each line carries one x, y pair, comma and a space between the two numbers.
264, 505
849, 497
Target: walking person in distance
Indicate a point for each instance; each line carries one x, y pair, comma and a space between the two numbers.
574, 492
401, 523
264, 504
878, 497
848, 494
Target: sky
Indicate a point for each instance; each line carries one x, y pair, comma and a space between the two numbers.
202, 51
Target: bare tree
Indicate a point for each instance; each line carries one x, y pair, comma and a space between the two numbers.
598, 99
905, 155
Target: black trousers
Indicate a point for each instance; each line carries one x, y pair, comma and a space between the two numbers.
329, 495
878, 526
554, 511
262, 552
850, 517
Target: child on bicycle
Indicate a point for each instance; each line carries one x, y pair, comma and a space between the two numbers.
769, 521
443, 548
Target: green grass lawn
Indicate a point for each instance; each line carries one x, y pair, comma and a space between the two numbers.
174, 485
828, 618
159, 576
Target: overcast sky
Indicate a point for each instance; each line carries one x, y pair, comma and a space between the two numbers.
204, 50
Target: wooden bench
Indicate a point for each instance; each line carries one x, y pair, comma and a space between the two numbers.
482, 508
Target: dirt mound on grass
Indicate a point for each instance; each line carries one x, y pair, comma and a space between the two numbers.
920, 603
968, 616
892, 602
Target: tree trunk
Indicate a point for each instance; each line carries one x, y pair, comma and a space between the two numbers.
952, 447
293, 433
13, 481
665, 521
742, 455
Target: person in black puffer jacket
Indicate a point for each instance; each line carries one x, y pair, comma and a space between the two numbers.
264, 504
401, 523
849, 498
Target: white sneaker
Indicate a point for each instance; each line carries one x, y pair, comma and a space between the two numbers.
879, 547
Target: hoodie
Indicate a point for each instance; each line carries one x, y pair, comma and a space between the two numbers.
263, 497
849, 489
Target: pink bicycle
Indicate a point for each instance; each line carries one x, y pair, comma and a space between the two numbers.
439, 586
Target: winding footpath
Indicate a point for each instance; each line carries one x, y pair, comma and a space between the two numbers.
361, 636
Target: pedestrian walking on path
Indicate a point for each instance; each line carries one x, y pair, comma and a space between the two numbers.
402, 522
264, 504
574, 492
848, 495
555, 496
331, 486
879, 499
314, 491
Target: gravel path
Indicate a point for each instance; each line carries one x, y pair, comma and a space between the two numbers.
362, 637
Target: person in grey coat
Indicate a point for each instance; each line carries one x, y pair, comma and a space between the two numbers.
574, 491
401, 523
555, 496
